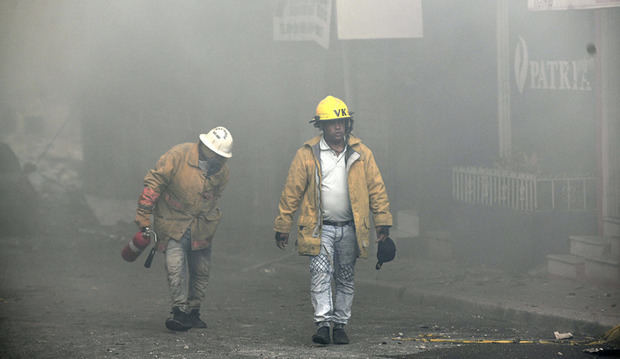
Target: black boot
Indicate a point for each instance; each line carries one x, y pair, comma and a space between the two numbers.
340, 336
321, 336
194, 317
180, 320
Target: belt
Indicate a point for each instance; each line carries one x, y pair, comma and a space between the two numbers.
338, 224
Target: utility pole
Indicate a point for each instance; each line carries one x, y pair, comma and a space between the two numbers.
503, 80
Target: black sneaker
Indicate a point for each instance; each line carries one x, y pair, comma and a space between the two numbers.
194, 317
340, 336
180, 320
321, 336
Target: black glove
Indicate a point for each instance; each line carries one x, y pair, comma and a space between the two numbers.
382, 232
281, 240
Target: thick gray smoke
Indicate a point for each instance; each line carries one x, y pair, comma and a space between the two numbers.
121, 82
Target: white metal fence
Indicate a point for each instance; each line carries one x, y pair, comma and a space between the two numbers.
523, 191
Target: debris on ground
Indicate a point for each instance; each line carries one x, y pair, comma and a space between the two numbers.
612, 337
560, 336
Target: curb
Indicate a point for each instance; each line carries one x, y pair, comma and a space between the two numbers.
533, 317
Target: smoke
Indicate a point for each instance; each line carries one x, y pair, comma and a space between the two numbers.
133, 78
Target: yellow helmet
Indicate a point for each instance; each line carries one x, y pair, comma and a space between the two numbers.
331, 108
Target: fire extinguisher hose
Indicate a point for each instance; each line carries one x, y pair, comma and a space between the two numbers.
149, 259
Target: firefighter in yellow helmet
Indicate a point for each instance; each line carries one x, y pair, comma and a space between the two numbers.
182, 194
334, 184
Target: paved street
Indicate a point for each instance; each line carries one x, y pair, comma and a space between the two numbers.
70, 295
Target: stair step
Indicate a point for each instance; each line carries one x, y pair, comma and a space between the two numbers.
566, 265
589, 246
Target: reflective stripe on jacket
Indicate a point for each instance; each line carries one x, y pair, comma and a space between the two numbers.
302, 192
179, 195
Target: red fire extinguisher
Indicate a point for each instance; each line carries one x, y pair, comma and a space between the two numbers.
138, 244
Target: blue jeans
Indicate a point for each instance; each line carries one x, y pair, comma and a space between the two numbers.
335, 260
188, 273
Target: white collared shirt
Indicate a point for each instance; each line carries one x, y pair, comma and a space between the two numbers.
336, 205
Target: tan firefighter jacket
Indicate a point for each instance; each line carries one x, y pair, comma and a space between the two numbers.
302, 192
179, 195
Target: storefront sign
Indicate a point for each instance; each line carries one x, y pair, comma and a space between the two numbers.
550, 74
539, 5
385, 19
302, 20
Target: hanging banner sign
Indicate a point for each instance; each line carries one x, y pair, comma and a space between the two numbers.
302, 20
372, 19
540, 5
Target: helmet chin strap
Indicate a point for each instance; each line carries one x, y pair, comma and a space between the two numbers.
348, 126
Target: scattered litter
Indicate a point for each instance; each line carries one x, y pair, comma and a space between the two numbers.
601, 351
560, 353
593, 350
560, 336
186, 346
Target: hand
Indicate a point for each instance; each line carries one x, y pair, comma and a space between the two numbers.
382, 232
281, 240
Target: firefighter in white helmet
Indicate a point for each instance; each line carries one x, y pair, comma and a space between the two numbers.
182, 193
334, 184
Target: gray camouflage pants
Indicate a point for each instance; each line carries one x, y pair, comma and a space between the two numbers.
188, 273
335, 260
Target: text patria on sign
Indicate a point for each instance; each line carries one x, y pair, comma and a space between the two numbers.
572, 75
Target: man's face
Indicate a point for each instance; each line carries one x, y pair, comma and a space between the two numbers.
210, 155
214, 161
334, 130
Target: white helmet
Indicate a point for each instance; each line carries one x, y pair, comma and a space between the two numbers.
219, 140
